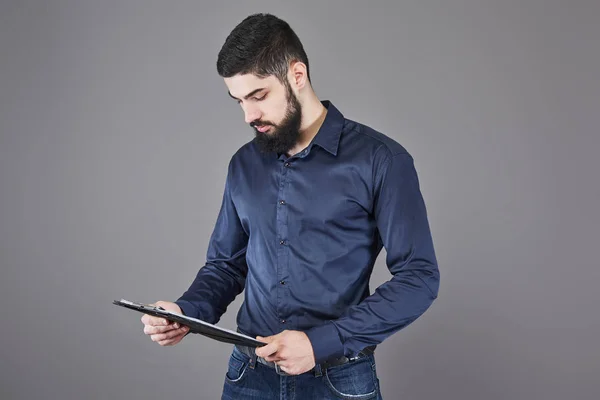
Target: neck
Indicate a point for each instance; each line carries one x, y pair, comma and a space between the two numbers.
313, 115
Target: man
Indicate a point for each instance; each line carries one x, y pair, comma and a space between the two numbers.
308, 205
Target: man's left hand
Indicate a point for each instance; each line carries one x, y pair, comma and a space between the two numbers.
291, 350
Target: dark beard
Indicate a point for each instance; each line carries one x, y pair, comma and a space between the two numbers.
284, 136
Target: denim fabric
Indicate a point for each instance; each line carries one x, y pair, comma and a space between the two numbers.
248, 379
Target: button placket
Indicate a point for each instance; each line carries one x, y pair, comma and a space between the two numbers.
282, 251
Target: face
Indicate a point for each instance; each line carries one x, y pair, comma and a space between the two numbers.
271, 108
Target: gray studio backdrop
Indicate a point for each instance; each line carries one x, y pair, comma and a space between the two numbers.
116, 132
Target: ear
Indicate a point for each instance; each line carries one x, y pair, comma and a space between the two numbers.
298, 74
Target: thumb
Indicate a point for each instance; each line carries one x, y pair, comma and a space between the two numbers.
267, 339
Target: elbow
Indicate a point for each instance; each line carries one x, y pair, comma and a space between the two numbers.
433, 280
430, 277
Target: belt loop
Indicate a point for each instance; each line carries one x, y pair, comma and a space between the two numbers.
249, 351
253, 357
318, 371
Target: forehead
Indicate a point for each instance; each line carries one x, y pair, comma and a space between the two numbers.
240, 85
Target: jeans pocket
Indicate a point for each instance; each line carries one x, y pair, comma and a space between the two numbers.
237, 366
355, 380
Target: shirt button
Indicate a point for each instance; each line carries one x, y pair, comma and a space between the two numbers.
287, 164
282, 202
283, 321
282, 282
282, 242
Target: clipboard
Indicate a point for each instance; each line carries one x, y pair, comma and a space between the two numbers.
196, 326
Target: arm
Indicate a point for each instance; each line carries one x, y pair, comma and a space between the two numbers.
223, 276
401, 218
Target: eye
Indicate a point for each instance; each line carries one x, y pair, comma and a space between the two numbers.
253, 98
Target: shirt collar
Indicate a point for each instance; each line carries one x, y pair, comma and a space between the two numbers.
328, 136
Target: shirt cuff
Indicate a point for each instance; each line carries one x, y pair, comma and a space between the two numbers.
187, 308
325, 341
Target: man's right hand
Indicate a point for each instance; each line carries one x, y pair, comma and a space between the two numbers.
162, 331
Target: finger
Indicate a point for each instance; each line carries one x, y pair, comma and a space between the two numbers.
267, 349
152, 330
284, 368
175, 340
169, 335
290, 369
154, 321
283, 364
267, 339
169, 342
274, 357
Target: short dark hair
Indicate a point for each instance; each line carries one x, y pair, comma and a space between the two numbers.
263, 45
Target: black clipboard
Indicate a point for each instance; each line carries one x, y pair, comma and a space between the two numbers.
195, 325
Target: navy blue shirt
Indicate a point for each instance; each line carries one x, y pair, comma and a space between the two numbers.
301, 235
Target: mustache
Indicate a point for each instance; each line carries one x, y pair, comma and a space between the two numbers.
261, 123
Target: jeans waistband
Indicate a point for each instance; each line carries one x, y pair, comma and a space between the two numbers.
317, 370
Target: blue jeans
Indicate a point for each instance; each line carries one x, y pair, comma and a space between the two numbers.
248, 379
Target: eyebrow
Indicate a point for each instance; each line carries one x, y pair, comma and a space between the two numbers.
246, 97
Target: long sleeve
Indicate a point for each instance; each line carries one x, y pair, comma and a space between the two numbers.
223, 276
401, 218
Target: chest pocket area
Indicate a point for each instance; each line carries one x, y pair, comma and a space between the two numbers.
337, 210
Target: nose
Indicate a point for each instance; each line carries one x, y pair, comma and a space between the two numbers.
251, 113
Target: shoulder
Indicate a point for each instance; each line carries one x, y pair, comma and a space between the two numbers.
373, 139
379, 147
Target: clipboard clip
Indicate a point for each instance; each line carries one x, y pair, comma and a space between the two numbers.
151, 307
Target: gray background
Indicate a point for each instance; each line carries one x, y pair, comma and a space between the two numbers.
116, 132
